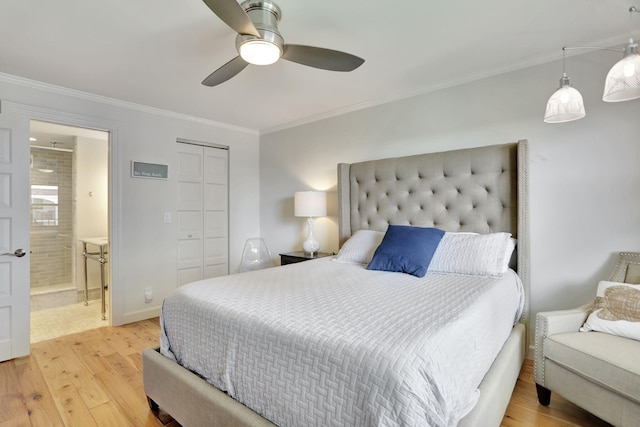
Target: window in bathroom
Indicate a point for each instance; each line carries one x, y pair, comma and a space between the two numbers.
44, 205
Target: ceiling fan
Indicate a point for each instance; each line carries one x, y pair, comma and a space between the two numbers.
259, 41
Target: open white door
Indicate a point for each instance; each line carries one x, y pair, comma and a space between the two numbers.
14, 234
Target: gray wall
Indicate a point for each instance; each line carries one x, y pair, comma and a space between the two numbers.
584, 175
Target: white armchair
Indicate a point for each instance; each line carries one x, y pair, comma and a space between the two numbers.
597, 371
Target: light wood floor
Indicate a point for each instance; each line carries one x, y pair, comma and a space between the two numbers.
94, 378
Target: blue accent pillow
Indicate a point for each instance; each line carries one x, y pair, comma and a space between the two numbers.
406, 249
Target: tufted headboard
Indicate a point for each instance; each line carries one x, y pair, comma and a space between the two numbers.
479, 190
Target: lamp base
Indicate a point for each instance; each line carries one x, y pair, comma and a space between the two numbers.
310, 245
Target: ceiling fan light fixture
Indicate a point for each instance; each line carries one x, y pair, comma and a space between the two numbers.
623, 80
260, 52
259, 41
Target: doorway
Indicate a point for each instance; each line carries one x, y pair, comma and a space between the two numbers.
69, 206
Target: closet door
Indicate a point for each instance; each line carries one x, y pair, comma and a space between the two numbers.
216, 240
190, 236
202, 214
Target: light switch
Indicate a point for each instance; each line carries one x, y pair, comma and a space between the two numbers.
167, 217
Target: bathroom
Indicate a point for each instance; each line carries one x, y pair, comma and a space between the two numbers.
69, 205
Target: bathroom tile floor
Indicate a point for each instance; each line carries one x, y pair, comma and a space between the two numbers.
59, 321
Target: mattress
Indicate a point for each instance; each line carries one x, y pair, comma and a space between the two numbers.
322, 343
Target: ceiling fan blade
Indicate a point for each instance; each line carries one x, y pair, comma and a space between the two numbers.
233, 15
325, 59
225, 72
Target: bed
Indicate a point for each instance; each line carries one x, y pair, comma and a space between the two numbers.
479, 190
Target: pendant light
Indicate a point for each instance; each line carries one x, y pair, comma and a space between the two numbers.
623, 80
566, 103
622, 84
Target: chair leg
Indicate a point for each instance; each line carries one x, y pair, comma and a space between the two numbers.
544, 395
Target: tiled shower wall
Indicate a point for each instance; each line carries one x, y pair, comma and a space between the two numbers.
51, 245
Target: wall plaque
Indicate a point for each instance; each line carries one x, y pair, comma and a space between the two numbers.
149, 170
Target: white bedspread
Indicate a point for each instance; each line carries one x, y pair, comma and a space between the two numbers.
323, 343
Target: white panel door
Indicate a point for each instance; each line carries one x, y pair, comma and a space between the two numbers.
203, 238
190, 222
14, 235
216, 195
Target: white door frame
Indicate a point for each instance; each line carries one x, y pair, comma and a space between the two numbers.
116, 294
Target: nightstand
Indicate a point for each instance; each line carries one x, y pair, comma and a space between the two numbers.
293, 257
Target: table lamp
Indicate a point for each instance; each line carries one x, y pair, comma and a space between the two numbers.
310, 204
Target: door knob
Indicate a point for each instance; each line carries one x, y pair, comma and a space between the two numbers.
19, 253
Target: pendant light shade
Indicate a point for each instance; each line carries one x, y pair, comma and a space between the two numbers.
565, 104
623, 80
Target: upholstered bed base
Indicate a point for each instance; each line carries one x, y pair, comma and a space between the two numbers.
188, 398
193, 402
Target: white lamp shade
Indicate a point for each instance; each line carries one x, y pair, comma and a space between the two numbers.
310, 203
565, 104
623, 80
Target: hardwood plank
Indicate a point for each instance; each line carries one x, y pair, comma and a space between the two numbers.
11, 400
125, 371
41, 408
131, 402
84, 381
123, 340
94, 361
22, 421
136, 360
109, 415
74, 411
8, 377
92, 342
55, 374
12, 406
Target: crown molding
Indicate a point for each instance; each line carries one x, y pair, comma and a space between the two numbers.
445, 84
60, 90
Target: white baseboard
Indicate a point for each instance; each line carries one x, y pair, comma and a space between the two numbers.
136, 316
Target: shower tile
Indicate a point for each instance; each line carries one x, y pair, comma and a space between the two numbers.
41, 300
51, 246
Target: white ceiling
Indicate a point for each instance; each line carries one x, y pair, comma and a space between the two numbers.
156, 52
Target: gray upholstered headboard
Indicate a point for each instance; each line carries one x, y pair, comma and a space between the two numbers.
480, 190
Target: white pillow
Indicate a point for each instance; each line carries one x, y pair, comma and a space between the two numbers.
360, 247
617, 310
472, 253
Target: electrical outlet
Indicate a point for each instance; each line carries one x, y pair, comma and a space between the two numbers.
148, 295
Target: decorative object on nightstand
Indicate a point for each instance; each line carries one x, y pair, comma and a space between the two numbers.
255, 256
299, 256
310, 204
